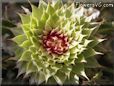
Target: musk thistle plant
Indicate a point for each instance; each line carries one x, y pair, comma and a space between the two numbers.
57, 44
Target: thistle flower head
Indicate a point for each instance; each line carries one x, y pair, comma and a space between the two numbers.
57, 44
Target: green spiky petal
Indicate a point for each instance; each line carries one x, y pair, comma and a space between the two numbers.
49, 67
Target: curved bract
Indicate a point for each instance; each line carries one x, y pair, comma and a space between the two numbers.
57, 44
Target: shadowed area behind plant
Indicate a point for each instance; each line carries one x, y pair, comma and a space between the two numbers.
9, 71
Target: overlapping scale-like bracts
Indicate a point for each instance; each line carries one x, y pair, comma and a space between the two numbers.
37, 56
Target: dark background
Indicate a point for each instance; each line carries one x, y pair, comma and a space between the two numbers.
10, 21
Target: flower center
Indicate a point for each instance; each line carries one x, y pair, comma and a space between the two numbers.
55, 42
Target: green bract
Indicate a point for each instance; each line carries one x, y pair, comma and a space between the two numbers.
43, 66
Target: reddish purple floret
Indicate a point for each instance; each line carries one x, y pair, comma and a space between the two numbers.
55, 42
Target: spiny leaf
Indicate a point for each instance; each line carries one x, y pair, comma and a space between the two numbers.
36, 12
44, 17
66, 70
35, 42
26, 56
86, 42
59, 78
30, 68
92, 63
27, 11
47, 75
26, 44
73, 50
57, 4
78, 68
51, 81
41, 77
89, 31
25, 18
81, 58
42, 4
25, 27
73, 80
19, 39
89, 52
96, 41
50, 9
